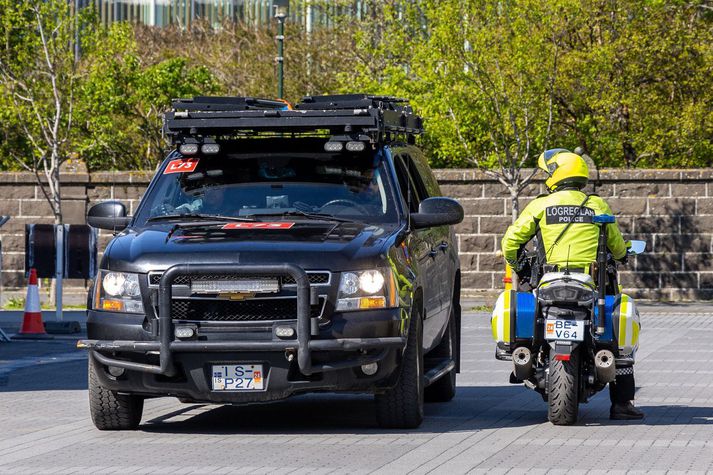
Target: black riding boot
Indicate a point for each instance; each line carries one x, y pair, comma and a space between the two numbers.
621, 394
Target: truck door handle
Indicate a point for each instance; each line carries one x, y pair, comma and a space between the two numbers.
443, 246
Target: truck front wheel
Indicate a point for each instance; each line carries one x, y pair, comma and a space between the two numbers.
110, 410
401, 407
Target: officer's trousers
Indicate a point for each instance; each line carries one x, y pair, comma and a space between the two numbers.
622, 389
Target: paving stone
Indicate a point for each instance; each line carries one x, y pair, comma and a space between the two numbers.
490, 427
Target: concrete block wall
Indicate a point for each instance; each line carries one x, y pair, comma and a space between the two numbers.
671, 209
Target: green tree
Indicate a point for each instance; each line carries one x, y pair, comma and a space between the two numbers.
124, 99
242, 57
483, 74
636, 81
38, 74
628, 81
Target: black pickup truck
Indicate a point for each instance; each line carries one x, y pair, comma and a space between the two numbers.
279, 251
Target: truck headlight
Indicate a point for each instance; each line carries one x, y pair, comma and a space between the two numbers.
365, 290
118, 292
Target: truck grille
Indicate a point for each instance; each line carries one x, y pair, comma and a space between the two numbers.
315, 278
237, 310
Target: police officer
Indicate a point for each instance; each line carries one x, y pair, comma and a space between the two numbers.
574, 248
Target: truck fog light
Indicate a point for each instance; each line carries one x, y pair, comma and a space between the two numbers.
114, 371
370, 369
183, 332
284, 332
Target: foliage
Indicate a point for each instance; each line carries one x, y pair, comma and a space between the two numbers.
481, 73
630, 80
497, 82
39, 78
110, 100
14, 303
125, 98
242, 57
636, 81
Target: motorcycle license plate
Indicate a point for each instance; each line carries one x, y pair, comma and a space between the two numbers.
238, 377
571, 330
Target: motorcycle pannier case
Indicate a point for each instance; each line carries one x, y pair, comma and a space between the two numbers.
513, 317
622, 323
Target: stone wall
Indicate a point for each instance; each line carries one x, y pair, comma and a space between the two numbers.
23, 200
671, 209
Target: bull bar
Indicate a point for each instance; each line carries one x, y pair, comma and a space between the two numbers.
304, 344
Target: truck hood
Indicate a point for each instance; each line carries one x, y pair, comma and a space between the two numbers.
309, 244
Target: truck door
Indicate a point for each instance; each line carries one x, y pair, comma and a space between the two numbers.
423, 243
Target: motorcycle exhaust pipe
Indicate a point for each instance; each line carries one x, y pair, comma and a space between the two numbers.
522, 360
604, 366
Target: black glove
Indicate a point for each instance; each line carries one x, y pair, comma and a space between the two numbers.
523, 270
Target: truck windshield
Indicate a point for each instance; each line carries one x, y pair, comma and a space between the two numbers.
267, 186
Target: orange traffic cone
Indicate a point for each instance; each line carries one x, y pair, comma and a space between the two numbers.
32, 326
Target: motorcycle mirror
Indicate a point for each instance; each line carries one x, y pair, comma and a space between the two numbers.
637, 247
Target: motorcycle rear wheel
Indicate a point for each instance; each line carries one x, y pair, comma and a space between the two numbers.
563, 390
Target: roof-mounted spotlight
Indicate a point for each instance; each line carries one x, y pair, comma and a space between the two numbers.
333, 146
356, 146
188, 149
210, 148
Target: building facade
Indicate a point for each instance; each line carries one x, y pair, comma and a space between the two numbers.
260, 12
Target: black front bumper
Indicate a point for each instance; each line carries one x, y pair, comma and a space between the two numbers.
176, 357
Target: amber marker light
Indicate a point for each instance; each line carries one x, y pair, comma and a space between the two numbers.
372, 302
112, 305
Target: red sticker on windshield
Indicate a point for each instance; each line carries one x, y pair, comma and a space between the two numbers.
279, 225
183, 165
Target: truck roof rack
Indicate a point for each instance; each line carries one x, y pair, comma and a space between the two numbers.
381, 118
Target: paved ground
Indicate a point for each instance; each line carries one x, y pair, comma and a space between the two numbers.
490, 426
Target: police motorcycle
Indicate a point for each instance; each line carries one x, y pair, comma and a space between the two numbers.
567, 335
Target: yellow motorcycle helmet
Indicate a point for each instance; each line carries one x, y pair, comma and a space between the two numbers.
564, 169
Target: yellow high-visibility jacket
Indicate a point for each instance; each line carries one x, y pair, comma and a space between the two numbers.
550, 214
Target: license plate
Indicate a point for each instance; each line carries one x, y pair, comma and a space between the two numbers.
238, 377
571, 330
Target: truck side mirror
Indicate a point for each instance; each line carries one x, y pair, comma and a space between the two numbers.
437, 211
109, 215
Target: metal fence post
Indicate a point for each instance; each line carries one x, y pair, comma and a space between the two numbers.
59, 269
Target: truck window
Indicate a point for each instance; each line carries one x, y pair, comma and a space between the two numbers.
420, 163
406, 183
353, 186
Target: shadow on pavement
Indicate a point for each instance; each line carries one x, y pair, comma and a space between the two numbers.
61, 376
329, 413
475, 408
667, 416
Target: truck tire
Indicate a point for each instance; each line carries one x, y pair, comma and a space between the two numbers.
401, 407
110, 410
444, 389
563, 390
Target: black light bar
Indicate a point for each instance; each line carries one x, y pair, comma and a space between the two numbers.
375, 116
